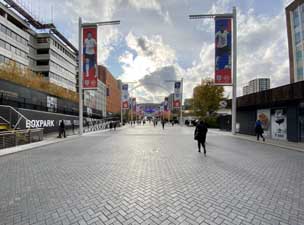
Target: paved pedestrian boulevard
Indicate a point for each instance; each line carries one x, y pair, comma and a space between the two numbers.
146, 175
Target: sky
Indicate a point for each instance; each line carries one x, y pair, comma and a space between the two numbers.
156, 41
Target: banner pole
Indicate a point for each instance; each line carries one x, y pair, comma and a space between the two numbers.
121, 116
234, 84
80, 78
181, 103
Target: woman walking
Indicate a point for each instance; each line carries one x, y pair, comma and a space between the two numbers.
200, 135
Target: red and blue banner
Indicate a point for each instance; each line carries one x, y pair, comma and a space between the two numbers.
89, 70
223, 46
177, 94
125, 96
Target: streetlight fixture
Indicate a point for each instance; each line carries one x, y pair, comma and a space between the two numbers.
80, 65
232, 16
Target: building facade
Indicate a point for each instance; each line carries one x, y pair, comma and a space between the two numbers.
256, 85
14, 38
281, 111
295, 33
113, 90
97, 99
47, 53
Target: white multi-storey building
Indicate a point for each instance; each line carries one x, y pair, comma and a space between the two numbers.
49, 53
14, 38
256, 85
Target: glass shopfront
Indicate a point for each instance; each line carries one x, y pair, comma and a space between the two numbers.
301, 122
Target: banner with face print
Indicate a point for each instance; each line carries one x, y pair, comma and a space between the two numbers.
177, 95
223, 43
125, 96
89, 58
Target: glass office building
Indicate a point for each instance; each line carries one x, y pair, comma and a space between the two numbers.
295, 29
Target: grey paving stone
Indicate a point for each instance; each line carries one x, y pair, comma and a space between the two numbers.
119, 178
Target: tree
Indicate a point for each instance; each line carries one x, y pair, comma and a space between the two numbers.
206, 98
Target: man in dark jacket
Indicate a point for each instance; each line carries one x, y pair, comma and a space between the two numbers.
259, 130
62, 129
200, 135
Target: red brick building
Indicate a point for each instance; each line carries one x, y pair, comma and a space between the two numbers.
113, 90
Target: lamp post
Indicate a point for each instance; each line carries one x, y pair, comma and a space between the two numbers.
80, 68
232, 16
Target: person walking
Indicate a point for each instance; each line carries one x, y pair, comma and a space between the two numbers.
200, 134
115, 125
62, 129
259, 130
163, 124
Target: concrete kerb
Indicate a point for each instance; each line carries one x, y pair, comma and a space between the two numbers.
269, 142
35, 145
46, 142
287, 145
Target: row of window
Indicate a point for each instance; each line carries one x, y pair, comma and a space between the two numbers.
300, 73
13, 35
56, 55
61, 69
13, 49
61, 48
42, 40
4, 59
62, 80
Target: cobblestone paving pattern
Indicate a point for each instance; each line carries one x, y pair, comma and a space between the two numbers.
145, 175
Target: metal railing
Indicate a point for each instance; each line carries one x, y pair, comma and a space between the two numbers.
13, 117
20, 137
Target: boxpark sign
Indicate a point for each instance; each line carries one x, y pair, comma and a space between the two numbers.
39, 123
47, 120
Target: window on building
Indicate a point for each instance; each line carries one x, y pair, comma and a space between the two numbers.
2, 59
298, 37
2, 44
42, 40
42, 63
42, 51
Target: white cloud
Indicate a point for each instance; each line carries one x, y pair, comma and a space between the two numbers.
163, 37
262, 49
146, 4
107, 43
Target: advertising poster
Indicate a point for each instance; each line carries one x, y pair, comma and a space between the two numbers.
223, 44
264, 116
166, 104
90, 71
177, 95
279, 124
51, 104
125, 96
